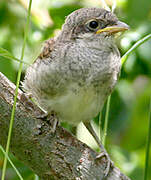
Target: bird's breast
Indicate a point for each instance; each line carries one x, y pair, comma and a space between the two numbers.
77, 104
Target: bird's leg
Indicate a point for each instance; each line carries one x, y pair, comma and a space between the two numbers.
103, 150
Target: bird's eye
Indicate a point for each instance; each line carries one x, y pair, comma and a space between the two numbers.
93, 24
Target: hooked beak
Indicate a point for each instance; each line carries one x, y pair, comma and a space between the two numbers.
119, 27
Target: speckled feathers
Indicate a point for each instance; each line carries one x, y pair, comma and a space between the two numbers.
82, 15
74, 76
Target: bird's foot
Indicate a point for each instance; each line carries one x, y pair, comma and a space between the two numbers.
54, 122
108, 161
51, 119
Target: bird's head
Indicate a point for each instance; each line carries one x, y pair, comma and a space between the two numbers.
91, 23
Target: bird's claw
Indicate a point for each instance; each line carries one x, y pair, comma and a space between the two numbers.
51, 119
108, 161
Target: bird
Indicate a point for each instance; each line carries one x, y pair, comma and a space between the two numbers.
78, 69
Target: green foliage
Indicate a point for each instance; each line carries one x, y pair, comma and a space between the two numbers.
148, 145
16, 93
129, 108
17, 172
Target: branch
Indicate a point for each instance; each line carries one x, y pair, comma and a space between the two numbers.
50, 155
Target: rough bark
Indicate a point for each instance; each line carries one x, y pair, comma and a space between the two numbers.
50, 155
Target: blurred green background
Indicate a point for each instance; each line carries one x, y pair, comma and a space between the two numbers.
128, 118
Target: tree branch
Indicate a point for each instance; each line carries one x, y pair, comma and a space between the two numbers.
50, 155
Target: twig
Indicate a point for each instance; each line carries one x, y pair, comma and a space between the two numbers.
50, 155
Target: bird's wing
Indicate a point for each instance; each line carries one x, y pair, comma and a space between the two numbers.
47, 49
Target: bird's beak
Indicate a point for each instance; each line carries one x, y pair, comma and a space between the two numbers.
119, 27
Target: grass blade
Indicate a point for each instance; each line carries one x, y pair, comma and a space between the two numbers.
137, 44
100, 122
106, 120
17, 172
148, 145
8, 55
16, 92
124, 57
